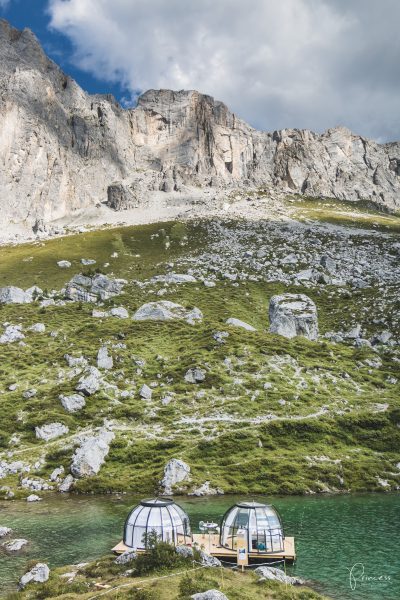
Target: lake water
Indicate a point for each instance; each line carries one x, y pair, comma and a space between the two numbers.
332, 533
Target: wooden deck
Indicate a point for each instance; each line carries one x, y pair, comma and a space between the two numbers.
211, 546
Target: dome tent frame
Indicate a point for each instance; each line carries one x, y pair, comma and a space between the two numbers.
261, 524
162, 515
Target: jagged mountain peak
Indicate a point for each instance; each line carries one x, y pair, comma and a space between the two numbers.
62, 150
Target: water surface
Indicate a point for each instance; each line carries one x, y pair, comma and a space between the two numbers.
332, 533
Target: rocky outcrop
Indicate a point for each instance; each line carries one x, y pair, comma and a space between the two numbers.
175, 471
82, 288
63, 151
291, 315
50, 431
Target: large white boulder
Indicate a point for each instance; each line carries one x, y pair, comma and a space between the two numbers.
175, 471
14, 295
38, 574
50, 431
91, 454
292, 315
167, 311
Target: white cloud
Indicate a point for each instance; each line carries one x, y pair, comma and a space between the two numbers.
292, 63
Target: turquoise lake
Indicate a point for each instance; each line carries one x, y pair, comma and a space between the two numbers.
332, 534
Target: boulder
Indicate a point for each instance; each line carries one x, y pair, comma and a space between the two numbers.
38, 328
127, 557
12, 333
167, 311
90, 382
14, 545
145, 392
91, 454
91, 289
209, 595
14, 295
55, 475
66, 484
173, 278
73, 403
292, 315
4, 531
51, 431
175, 471
39, 574
209, 561
64, 264
238, 323
274, 574
104, 360
120, 197
119, 312
206, 490
184, 551
195, 375
88, 261
33, 498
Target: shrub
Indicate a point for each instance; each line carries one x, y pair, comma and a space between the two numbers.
158, 555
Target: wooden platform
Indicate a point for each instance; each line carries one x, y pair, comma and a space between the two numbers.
210, 544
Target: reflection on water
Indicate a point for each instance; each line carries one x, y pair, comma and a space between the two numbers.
332, 533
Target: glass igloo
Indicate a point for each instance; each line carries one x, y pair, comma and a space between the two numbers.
260, 524
161, 515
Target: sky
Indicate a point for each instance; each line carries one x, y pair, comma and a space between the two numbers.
309, 64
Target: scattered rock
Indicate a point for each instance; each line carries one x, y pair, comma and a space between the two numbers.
173, 278
175, 471
66, 484
209, 595
145, 392
167, 311
209, 561
90, 456
239, 323
55, 475
104, 360
4, 531
39, 574
274, 574
38, 328
127, 557
73, 403
64, 264
14, 295
195, 375
185, 551
12, 333
120, 312
14, 545
88, 261
90, 382
291, 315
33, 498
50, 431
205, 490
91, 289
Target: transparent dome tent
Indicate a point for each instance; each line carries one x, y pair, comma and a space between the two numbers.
161, 515
260, 524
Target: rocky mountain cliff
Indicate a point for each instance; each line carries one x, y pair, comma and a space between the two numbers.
62, 149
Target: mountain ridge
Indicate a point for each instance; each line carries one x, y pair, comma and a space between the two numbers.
63, 150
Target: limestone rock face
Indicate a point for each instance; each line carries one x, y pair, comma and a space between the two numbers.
175, 471
91, 454
63, 151
291, 315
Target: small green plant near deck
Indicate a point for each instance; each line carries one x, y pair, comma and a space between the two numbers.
159, 555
